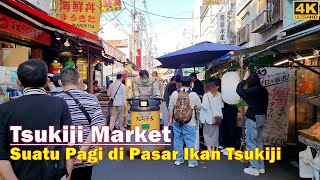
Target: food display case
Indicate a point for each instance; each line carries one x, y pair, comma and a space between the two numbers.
311, 136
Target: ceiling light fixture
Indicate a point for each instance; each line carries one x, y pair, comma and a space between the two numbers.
281, 62
58, 36
316, 52
80, 43
67, 43
80, 49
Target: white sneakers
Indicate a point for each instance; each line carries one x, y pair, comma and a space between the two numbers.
262, 171
225, 152
192, 165
178, 163
253, 171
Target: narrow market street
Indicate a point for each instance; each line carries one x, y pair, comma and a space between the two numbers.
159, 170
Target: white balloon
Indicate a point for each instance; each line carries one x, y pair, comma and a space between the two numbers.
229, 83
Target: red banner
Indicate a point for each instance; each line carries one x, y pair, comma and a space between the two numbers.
138, 58
13, 26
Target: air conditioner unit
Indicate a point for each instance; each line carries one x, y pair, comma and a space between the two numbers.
260, 23
275, 8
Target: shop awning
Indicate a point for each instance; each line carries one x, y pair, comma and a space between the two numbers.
134, 66
53, 21
54, 24
114, 52
307, 39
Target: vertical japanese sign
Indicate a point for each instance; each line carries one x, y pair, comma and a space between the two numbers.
222, 33
111, 6
83, 14
138, 58
277, 81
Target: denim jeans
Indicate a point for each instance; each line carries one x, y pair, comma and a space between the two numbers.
185, 134
254, 140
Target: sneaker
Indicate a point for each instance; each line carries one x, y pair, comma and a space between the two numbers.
178, 163
220, 148
223, 151
251, 171
122, 129
192, 165
262, 171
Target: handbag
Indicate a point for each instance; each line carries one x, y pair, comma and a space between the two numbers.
216, 120
85, 112
111, 100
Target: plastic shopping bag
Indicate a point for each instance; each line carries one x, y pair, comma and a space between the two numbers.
306, 163
316, 166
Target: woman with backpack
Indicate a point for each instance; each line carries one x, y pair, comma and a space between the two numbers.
211, 115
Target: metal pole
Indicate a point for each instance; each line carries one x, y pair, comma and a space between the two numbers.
295, 103
243, 140
133, 31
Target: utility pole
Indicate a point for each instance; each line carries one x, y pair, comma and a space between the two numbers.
133, 31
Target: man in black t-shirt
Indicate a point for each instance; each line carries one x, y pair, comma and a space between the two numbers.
197, 85
35, 110
174, 86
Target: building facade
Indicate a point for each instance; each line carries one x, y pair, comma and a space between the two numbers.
217, 22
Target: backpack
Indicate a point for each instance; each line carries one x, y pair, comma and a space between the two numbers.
183, 110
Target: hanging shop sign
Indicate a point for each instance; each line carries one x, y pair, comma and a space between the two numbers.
111, 6
222, 30
277, 81
138, 58
213, 2
15, 27
83, 14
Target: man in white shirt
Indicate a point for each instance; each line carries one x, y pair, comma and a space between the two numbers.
117, 91
186, 133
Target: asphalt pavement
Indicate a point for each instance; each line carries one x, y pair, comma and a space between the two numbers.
166, 170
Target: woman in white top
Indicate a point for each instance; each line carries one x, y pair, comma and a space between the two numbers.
212, 105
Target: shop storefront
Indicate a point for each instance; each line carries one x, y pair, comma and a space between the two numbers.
57, 43
19, 40
289, 68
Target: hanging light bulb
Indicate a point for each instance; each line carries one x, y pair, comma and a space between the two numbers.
58, 36
67, 43
80, 49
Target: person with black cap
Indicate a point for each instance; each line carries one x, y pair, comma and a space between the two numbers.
197, 85
256, 96
55, 87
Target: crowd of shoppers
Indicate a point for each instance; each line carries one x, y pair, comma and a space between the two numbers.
219, 119
69, 105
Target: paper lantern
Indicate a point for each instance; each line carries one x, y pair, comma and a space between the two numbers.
229, 83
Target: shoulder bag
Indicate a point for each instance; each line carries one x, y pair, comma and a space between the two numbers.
111, 100
216, 120
85, 112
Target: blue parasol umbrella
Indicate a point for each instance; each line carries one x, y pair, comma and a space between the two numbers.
197, 55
